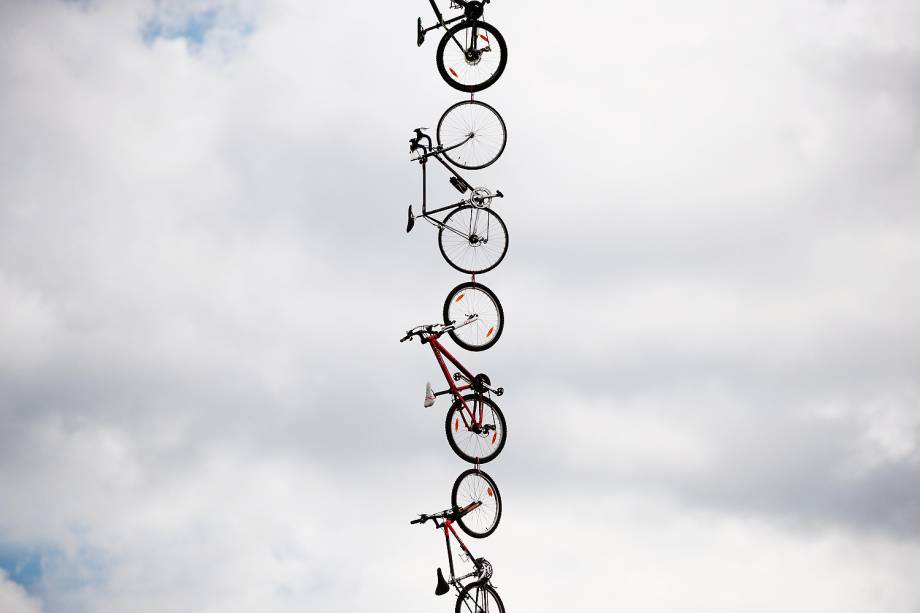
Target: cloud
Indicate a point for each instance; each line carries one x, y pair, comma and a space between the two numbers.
711, 344
14, 599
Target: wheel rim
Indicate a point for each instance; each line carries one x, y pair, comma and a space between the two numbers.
471, 69
480, 126
476, 442
480, 599
473, 487
473, 240
475, 301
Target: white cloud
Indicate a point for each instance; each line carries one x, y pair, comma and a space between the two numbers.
14, 599
712, 335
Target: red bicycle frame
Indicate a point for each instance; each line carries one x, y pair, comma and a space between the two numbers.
440, 353
448, 528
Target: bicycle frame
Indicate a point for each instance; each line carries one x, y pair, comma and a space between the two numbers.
442, 23
440, 352
423, 160
448, 527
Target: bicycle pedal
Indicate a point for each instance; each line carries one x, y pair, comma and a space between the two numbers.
411, 223
421, 33
429, 395
499, 391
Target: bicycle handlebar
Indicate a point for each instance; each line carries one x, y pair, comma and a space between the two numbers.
442, 328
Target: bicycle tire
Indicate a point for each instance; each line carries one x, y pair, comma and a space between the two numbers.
485, 129
491, 509
463, 302
474, 595
491, 260
478, 443
454, 81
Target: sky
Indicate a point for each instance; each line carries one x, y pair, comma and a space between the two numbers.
712, 345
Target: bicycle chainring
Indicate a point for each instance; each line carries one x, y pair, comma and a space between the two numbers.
484, 568
481, 197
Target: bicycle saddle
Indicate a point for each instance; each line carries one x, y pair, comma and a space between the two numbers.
442, 587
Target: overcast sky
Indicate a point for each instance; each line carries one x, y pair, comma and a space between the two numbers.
712, 347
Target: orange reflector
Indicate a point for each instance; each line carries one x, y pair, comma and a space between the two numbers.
491, 330
494, 436
460, 297
454, 72
457, 425
490, 492
484, 37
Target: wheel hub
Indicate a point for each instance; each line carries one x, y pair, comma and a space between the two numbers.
473, 56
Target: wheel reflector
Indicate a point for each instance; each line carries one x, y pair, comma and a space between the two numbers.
491, 330
454, 72
484, 37
457, 425
494, 436
490, 492
460, 297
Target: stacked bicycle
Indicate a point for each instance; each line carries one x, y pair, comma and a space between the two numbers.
473, 239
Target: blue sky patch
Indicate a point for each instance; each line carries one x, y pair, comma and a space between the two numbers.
194, 29
22, 565
195, 26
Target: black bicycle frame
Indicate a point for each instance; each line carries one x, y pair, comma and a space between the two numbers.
441, 22
423, 160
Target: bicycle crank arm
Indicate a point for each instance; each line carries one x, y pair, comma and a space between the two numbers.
498, 391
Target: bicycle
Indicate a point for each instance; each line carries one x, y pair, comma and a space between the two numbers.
475, 426
473, 64
472, 237
478, 595
474, 301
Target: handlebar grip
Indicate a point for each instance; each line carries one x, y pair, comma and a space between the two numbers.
420, 520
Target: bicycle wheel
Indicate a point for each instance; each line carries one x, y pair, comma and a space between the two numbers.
480, 442
479, 598
481, 130
468, 299
473, 240
471, 56
471, 486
